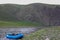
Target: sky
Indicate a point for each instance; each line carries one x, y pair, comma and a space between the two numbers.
30, 1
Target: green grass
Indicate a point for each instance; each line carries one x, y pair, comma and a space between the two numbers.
52, 33
20, 23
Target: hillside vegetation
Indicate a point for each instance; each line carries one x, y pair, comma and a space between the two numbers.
19, 24
51, 33
35, 12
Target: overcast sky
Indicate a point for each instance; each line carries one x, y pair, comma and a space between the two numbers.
30, 1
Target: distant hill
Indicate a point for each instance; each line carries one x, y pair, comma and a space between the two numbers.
35, 12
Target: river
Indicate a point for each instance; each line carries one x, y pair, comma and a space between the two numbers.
4, 31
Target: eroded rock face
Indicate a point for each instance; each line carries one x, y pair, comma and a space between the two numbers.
47, 14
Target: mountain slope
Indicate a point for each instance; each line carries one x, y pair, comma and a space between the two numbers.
36, 12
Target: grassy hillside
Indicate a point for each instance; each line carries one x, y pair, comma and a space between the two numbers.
35, 12
18, 24
52, 33
8, 11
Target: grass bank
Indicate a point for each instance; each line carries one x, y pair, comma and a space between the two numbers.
52, 33
20, 23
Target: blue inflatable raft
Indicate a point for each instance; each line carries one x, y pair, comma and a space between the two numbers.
16, 36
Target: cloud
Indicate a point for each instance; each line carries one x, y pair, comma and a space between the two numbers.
30, 1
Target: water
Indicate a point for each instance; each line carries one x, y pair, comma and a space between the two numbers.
4, 31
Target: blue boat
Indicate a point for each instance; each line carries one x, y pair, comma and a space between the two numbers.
15, 36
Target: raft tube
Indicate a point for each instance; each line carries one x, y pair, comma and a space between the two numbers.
17, 36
